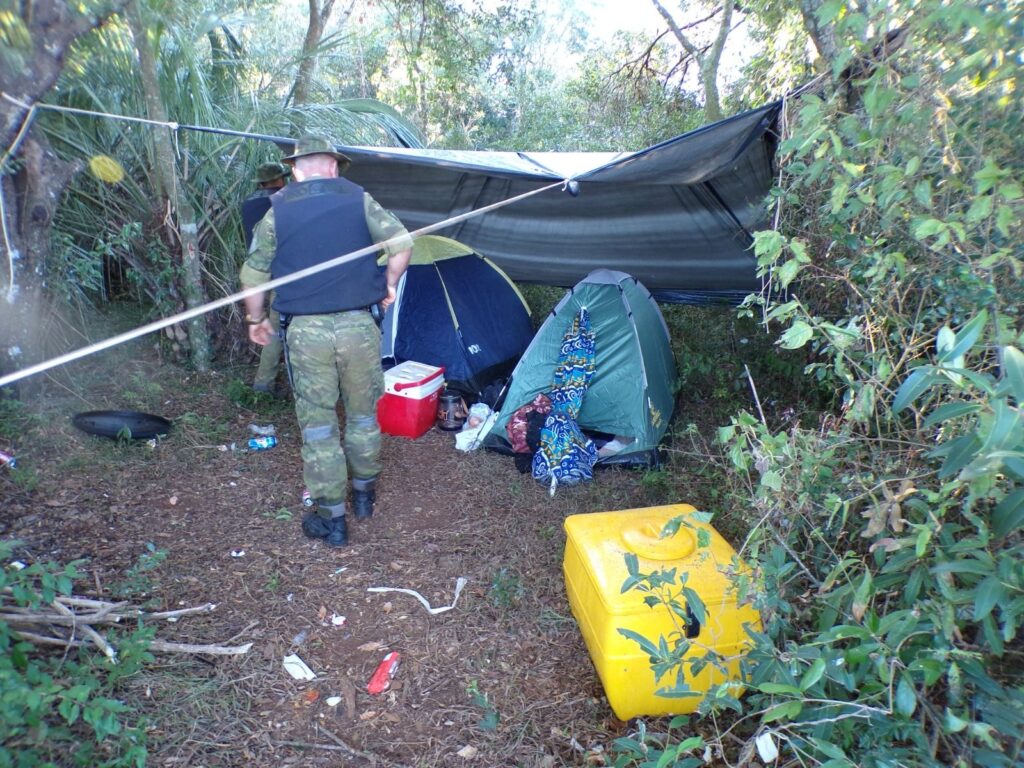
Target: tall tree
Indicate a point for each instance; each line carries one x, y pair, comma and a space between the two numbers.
180, 225
708, 57
33, 45
319, 15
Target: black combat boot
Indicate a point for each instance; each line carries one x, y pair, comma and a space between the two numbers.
338, 537
327, 523
364, 493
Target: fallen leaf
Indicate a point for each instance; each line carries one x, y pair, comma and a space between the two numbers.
395, 565
386, 607
373, 645
322, 613
468, 752
367, 715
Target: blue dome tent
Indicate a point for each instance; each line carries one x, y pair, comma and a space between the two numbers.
456, 309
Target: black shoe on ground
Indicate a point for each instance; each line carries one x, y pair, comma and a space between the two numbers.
362, 503
316, 527
338, 536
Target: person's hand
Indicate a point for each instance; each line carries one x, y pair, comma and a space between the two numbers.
388, 300
261, 333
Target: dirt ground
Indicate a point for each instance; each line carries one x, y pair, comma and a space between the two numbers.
503, 679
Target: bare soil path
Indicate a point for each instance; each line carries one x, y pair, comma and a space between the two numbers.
503, 679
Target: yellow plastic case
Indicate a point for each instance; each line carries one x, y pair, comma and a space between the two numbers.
595, 569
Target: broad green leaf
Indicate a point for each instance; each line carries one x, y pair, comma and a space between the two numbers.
780, 688
772, 479
959, 453
906, 697
1004, 219
1008, 514
966, 337
1013, 373
944, 340
787, 710
813, 674
787, 272
767, 245
862, 596
950, 411
954, 724
798, 334
987, 595
645, 645
839, 194
696, 605
916, 384
980, 209
928, 228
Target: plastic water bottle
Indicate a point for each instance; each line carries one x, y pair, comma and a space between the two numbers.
262, 443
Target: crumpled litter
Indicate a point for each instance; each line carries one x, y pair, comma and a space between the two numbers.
297, 668
459, 584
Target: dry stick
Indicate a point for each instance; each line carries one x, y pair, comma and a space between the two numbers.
309, 745
91, 633
155, 645
214, 650
753, 389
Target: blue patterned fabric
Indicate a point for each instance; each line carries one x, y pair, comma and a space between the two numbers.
566, 456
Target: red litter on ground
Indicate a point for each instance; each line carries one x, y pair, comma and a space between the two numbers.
381, 679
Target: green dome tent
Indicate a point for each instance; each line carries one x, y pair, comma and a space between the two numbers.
630, 396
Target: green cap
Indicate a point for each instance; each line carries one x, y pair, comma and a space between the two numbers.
271, 171
317, 144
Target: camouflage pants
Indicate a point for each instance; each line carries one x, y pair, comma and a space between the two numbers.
332, 355
270, 356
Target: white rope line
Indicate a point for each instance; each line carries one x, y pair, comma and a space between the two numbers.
268, 286
75, 110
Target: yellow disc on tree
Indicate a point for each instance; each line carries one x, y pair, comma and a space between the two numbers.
106, 168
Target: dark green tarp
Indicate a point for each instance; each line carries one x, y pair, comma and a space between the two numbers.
678, 216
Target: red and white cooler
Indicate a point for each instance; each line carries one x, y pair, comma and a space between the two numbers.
409, 405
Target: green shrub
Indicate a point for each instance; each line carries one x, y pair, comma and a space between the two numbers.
886, 534
56, 708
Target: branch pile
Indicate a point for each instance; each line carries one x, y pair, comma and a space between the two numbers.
72, 622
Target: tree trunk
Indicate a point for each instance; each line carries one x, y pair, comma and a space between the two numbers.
708, 59
180, 226
318, 18
822, 35
46, 30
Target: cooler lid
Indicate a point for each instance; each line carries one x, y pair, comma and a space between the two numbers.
410, 373
602, 540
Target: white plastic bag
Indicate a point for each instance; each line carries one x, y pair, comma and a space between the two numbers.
479, 422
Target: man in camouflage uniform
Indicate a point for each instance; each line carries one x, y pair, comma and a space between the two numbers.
270, 177
331, 341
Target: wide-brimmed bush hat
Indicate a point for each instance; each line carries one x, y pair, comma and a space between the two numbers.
271, 172
317, 144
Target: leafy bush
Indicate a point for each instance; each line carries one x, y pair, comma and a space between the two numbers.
886, 535
61, 709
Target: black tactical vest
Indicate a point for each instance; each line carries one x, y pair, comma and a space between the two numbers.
253, 209
318, 220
